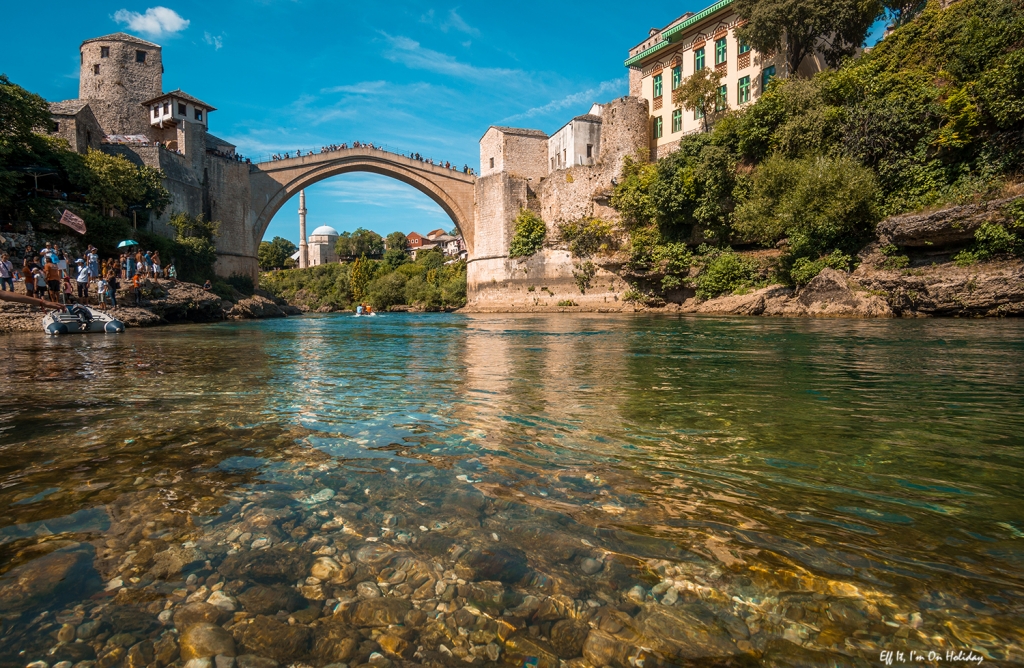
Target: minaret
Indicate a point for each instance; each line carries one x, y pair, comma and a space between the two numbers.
303, 248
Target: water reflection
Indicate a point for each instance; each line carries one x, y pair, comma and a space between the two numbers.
786, 487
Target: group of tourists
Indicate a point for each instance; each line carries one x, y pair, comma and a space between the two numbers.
330, 148
54, 275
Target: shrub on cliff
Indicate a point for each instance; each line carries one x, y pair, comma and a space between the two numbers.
818, 203
724, 272
528, 237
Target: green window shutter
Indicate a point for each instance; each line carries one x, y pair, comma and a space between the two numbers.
677, 120
721, 51
744, 48
677, 76
766, 76
722, 102
698, 59
743, 91
698, 113
657, 85
658, 129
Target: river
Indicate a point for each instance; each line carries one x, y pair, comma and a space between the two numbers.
450, 489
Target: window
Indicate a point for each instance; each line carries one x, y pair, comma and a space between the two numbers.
565, 157
698, 59
95, 69
492, 163
56, 126
677, 76
199, 114
182, 110
743, 91
677, 120
167, 107
744, 48
156, 111
657, 85
721, 51
104, 52
767, 74
698, 113
140, 56
590, 150
658, 130
552, 164
722, 101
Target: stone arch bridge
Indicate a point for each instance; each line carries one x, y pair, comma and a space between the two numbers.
272, 184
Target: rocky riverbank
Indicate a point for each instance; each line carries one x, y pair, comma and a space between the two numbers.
163, 304
908, 270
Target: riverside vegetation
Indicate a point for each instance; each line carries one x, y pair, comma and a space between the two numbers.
931, 116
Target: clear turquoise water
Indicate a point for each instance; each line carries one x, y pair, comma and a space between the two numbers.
781, 467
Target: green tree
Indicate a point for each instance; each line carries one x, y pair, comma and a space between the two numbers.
275, 253
360, 275
396, 241
20, 113
797, 27
818, 203
115, 183
528, 237
359, 243
195, 251
699, 93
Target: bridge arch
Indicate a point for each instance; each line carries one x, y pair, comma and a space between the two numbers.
272, 184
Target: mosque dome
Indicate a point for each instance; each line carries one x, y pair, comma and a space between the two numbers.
325, 231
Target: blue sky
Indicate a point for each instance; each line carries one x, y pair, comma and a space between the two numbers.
290, 74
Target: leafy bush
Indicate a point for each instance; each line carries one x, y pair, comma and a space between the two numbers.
804, 269
567, 302
990, 240
583, 273
529, 234
387, 291
273, 254
587, 236
818, 203
724, 272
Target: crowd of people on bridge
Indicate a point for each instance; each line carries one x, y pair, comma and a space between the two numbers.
53, 274
330, 148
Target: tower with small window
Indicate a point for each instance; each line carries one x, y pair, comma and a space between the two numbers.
119, 72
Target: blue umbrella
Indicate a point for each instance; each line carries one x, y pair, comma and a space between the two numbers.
129, 242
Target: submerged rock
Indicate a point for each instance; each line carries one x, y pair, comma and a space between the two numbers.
203, 640
264, 600
268, 637
48, 580
507, 564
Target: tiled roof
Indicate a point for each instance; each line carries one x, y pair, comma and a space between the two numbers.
121, 37
522, 132
181, 95
68, 107
213, 141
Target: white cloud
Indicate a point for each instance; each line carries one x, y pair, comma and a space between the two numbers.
155, 22
583, 97
456, 22
216, 41
411, 54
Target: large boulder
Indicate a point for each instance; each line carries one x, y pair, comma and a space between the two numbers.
255, 307
48, 580
951, 226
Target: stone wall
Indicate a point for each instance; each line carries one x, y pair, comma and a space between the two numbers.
518, 152
81, 131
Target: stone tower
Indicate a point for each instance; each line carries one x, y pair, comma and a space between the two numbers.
118, 73
303, 248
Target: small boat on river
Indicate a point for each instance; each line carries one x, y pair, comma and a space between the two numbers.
78, 319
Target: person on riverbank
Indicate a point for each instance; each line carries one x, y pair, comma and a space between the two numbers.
208, 286
172, 273
137, 289
113, 285
101, 292
84, 274
92, 258
26, 272
156, 265
40, 283
52, 275
6, 273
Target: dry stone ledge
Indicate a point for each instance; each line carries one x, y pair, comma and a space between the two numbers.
952, 226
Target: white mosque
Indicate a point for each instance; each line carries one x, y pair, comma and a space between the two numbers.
319, 249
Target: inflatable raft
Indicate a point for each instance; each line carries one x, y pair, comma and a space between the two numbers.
78, 319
